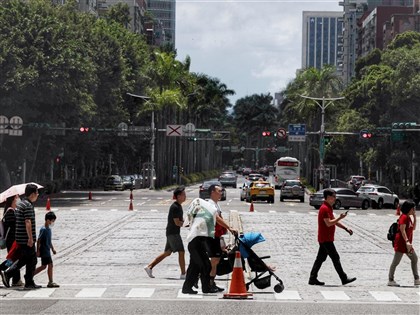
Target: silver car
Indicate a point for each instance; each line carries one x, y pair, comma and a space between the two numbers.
346, 198
292, 189
228, 179
380, 196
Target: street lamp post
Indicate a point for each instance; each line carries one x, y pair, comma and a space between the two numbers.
152, 142
325, 102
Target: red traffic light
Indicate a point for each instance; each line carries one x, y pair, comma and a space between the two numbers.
84, 129
365, 134
266, 133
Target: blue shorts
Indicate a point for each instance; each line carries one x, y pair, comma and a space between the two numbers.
46, 260
174, 243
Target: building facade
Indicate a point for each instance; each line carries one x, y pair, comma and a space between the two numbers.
322, 39
164, 12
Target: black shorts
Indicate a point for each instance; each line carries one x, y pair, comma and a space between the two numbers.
174, 243
213, 247
46, 260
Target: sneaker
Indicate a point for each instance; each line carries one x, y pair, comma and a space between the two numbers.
417, 282
182, 276
18, 284
32, 286
149, 272
315, 282
393, 283
219, 289
52, 285
5, 278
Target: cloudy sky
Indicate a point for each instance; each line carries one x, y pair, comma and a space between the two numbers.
253, 46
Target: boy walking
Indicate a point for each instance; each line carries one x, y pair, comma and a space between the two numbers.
44, 248
173, 236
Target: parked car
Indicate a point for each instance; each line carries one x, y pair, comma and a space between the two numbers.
128, 182
292, 189
260, 190
204, 190
114, 182
346, 198
380, 196
244, 188
255, 176
228, 179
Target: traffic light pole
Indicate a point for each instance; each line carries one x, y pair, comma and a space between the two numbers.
325, 102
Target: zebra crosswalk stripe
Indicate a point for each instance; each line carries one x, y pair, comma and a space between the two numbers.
91, 293
335, 295
140, 293
288, 295
384, 296
44, 293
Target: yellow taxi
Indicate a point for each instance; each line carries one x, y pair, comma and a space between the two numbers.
260, 190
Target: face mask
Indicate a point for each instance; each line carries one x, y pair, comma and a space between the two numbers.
52, 225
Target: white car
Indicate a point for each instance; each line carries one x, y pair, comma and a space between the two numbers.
380, 196
244, 189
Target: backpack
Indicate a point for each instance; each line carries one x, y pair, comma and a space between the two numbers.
3, 234
392, 231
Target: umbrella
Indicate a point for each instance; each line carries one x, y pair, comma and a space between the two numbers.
15, 190
249, 239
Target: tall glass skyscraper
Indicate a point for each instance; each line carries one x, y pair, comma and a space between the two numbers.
164, 12
322, 39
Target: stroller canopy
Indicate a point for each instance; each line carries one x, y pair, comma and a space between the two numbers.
249, 239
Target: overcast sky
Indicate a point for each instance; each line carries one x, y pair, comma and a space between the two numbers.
251, 46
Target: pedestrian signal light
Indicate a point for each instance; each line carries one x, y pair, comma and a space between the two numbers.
84, 129
365, 134
327, 139
266, 133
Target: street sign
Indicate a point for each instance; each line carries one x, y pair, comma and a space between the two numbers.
4, 123
15, 123
297, 132
189, 130
122, 129
281, 133
174, 130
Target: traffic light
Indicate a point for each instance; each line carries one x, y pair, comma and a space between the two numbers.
266, 133
365, 134
327, 139
181, 170
192, 139
58, 159
84, 129
404, 125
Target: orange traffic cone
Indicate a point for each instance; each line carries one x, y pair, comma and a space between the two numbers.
131, 194
398, 212
251, 207
130, 207
90, 195
48, 206
237, 288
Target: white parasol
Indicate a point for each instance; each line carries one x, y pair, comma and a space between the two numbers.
15, 190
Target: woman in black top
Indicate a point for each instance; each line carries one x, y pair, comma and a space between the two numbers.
10, 228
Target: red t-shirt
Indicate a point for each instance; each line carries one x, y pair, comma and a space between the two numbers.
325, 233
399, 243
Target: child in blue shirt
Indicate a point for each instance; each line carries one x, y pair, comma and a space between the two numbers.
44, 248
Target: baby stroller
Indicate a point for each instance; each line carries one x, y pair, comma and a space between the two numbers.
256, 263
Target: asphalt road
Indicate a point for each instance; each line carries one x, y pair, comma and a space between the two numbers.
102, 248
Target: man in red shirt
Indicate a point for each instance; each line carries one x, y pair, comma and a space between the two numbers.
326, 230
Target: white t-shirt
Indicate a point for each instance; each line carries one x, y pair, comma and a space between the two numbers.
202, 217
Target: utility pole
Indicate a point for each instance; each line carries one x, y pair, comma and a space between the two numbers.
323, 103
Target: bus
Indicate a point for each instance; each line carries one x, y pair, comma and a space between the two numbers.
286, 168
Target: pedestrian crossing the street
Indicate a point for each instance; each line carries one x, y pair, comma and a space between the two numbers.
113, 292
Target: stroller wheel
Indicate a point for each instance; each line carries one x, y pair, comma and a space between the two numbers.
278, 288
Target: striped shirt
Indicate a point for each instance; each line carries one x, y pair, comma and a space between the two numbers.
24, 210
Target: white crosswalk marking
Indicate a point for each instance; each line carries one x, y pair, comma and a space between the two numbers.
272, 211
93, 209
189, 296
335, 295
114, 209
288, 295
140, 293
40, 293
91, 292
313, 213
74, 209
384, 296
372, 214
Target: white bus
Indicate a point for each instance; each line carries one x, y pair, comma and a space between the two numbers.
286, 168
